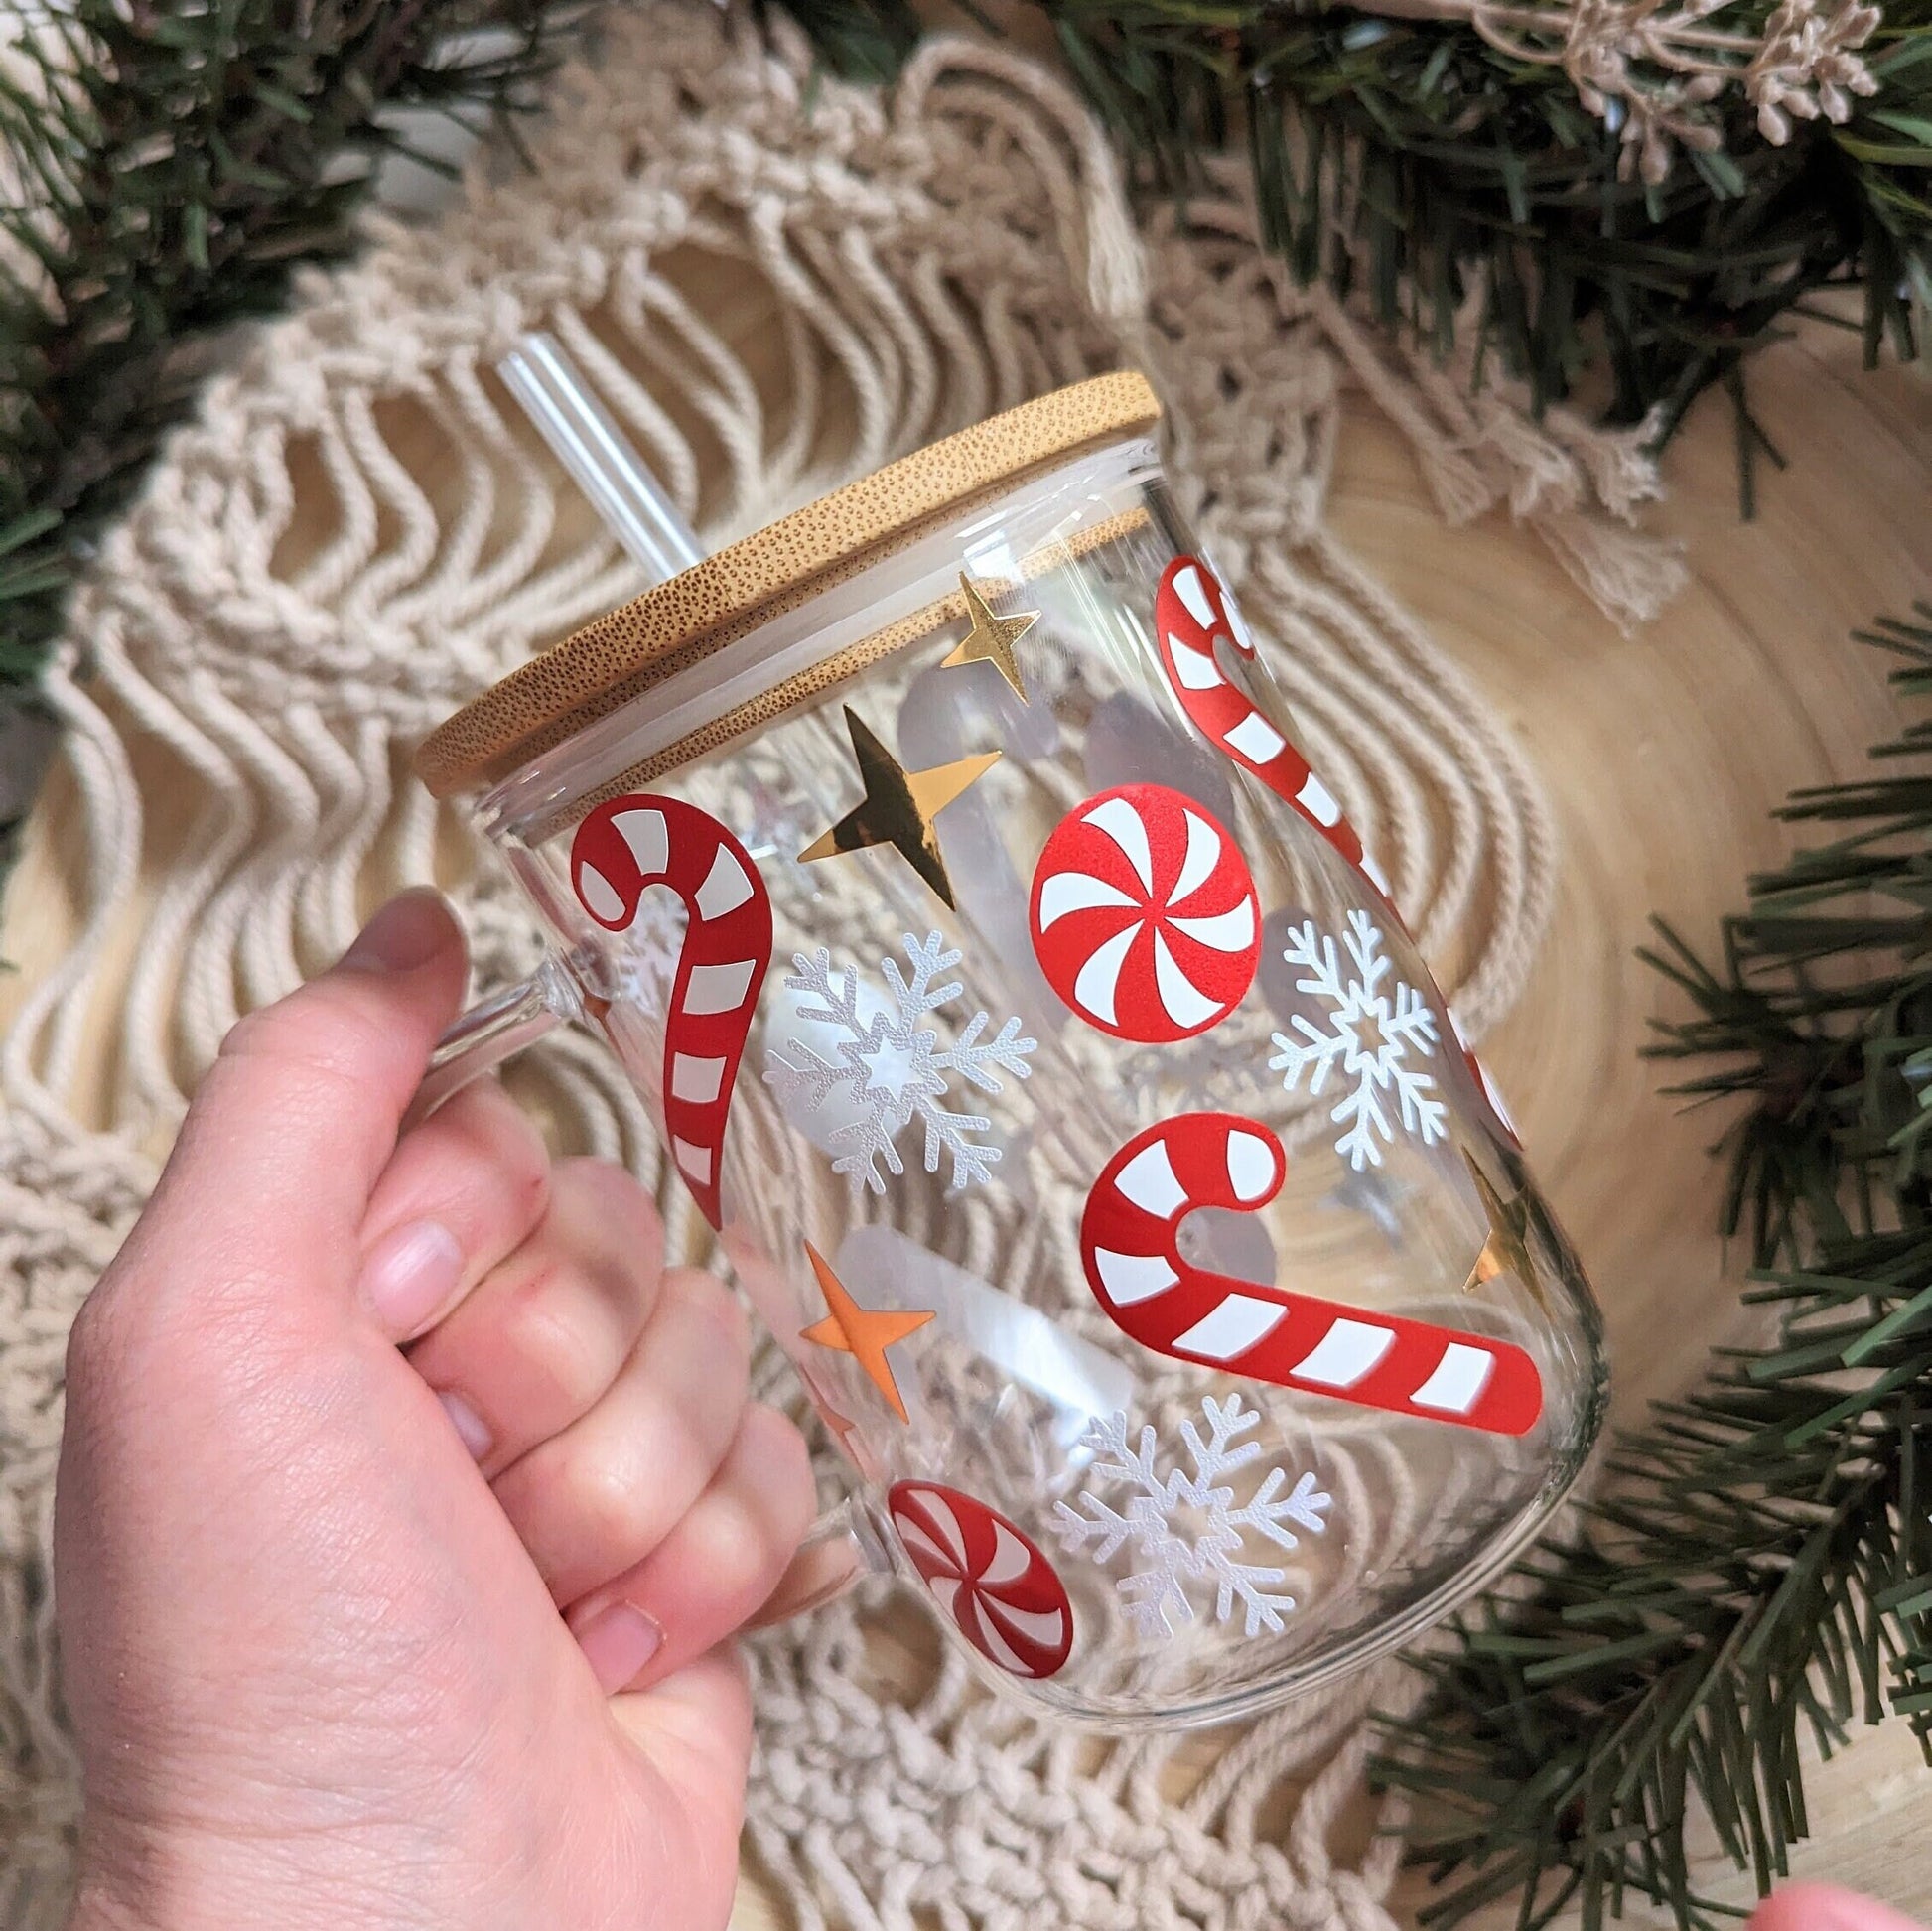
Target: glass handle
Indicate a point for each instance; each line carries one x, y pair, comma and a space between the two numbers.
840, 1547
838, 1550
492, 1030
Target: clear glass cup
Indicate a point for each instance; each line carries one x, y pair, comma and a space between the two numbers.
1067, 1095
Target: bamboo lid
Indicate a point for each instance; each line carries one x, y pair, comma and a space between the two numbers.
675, 623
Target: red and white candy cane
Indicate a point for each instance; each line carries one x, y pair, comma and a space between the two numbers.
1190, 613
635, 842
1130, 1246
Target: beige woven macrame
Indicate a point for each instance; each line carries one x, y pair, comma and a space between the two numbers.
775, 282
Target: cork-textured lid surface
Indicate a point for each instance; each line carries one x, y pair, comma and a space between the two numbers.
607, 662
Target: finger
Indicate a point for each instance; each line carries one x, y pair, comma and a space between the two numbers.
699, 1720
712, 1571
298, 1115
543, 1338
694, 1732
601, 1495
462, 1190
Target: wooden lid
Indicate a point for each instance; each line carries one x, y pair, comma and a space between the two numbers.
607, 664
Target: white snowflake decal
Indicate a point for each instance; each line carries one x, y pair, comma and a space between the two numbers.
892, 1068
1371, 1039
1169, 1556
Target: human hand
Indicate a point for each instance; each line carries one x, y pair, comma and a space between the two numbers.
311, 1639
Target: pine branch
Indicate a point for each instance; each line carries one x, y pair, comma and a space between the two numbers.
1758, 1567
1450, 184
166, 170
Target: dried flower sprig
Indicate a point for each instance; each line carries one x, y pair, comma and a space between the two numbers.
1650, 70
1642, 190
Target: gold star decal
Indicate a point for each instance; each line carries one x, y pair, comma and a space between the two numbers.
991, 639
1508, 1250
861, 1332
900, 806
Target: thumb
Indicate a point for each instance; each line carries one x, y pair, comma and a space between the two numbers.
273, 1168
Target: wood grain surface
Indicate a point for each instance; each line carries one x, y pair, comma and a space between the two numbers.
1664, 750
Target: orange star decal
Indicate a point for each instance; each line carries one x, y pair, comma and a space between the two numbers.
842, 1428
850, 1442
861, 1332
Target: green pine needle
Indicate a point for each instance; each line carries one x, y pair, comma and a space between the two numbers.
1757, 1568
169, 168
1470, 172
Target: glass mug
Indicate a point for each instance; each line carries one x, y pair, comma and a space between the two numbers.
1064, 1090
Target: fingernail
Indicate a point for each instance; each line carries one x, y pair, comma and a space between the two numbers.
472, 1430
619, 1640
409, 1274
405, 933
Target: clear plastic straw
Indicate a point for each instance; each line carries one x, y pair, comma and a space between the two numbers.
599, 456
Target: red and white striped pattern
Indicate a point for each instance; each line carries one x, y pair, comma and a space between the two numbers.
1129, 1247
622, 848
1191, 611
1003, 1596
1143, 915
1191, 615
